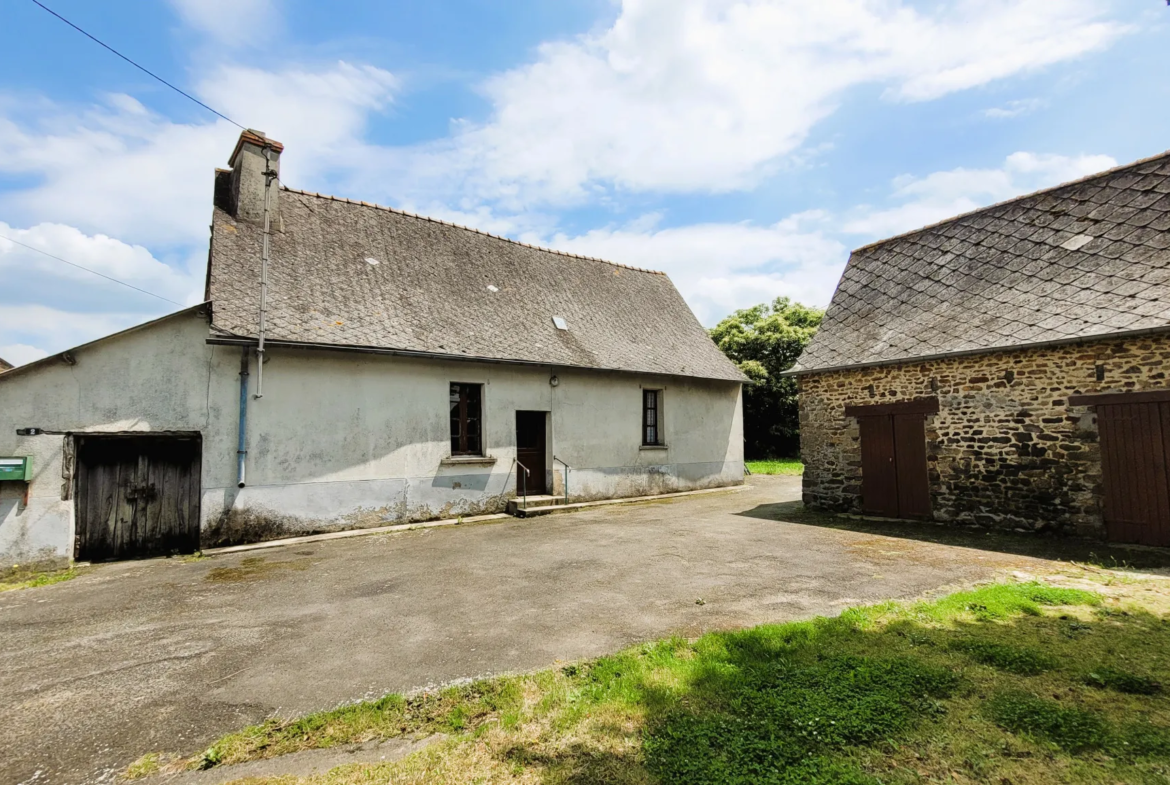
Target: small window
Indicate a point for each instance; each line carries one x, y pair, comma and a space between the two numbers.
651, 418
466, 419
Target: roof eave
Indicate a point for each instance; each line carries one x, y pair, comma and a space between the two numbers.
241, 340
987, 350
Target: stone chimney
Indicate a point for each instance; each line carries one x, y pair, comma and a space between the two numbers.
240, 190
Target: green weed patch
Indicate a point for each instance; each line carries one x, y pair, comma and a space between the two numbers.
768, 719
1013, 659
1072, 729
31, 580
1109, 678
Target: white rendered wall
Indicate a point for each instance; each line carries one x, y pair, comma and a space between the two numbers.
344, 440
153, 379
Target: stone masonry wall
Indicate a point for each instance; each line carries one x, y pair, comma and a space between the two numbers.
1005, 450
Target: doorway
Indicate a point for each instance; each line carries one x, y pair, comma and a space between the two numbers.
1134, 462
895, 481
531, 452
137, 496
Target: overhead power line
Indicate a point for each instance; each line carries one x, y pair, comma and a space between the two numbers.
95, 272
144, 70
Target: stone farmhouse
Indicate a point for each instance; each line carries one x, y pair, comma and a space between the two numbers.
1006, 368
355, 366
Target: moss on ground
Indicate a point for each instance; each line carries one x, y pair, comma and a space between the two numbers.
17, 578
1025, 683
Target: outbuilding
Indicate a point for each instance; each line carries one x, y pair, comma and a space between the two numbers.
353, 366
1005, 368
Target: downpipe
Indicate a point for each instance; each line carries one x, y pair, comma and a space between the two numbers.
241, 449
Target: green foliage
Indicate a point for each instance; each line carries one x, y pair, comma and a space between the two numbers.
1005, 657
1073, 730
791, 466
764, 341
777, 721
1115, 679
1002, 601
1142, 740
1076, 730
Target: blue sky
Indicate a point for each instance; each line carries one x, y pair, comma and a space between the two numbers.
743, 146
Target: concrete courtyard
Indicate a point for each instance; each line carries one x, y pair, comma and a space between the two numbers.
169, 654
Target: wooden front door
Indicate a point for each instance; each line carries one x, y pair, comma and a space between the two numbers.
137, 496
530, 451
1135, 443
894, 478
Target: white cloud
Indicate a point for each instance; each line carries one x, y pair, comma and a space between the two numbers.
319, 115
721, 267
1015, 108
49, 306
231, 22
44, 329
709, 95
941, 195
119, 168
105, 255
21, 353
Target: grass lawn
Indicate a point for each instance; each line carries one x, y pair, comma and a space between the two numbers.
778, 466
1017, 683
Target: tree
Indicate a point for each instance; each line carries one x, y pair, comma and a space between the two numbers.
764, 341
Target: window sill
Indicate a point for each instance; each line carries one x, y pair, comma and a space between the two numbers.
468, 460
653, 447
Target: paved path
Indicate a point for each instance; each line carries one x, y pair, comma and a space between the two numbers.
167, 655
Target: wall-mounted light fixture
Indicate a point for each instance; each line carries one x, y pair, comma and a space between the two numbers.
554, 380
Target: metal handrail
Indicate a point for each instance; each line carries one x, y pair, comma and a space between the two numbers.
523, 481
567, 468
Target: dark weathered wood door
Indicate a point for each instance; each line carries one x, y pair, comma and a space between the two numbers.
894, 477
137, 496
879, 476
1135, 442
530, 451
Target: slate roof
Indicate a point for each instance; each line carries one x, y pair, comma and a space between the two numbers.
447, 290
1085, 259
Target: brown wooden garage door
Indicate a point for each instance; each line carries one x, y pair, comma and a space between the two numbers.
1135, 443
137, 496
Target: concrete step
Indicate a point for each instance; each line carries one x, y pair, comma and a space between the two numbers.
551, 509
518, 505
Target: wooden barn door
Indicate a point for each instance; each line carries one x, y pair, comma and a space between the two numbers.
895, 481
1135, 442
910, 460
137, 496
879, 473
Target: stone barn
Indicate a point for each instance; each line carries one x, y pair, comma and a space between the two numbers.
1005, 368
